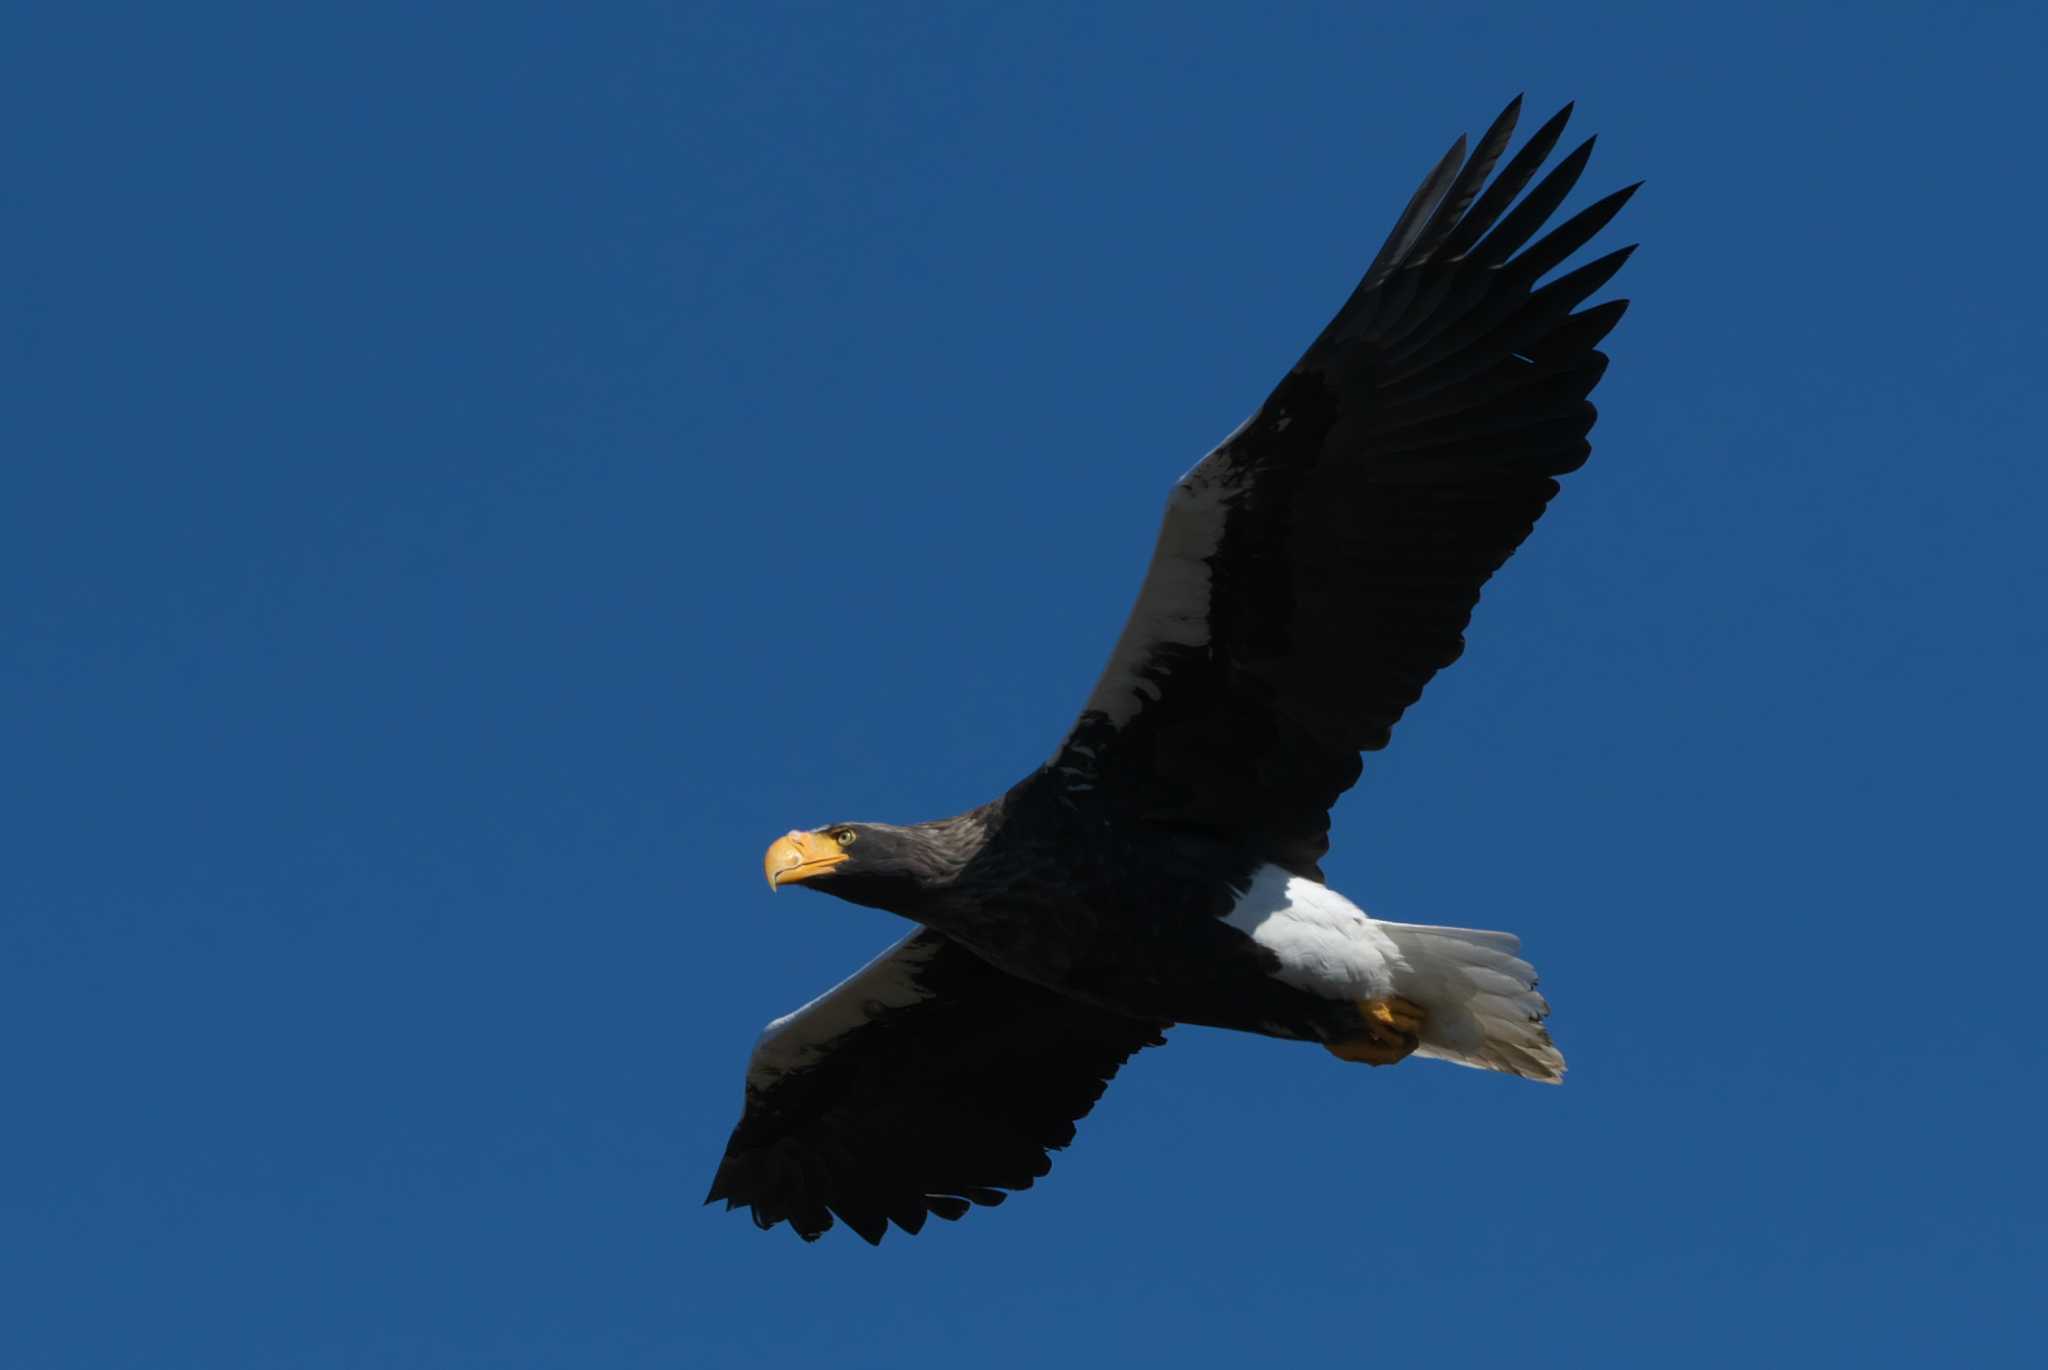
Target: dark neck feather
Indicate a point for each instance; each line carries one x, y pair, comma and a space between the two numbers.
918, 870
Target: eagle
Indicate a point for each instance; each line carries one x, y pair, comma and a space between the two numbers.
1311, 574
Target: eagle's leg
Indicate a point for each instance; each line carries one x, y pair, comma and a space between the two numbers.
1389, 1029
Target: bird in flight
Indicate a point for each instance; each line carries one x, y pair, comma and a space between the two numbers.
1311, 574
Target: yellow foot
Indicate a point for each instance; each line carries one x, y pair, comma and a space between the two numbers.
1392, 1028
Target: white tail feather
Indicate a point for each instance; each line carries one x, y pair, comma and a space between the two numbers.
1482, 1006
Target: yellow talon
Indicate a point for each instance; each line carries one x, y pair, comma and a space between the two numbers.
1398, 1014
1393, 1029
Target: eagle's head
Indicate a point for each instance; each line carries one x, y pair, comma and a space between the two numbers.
877, 864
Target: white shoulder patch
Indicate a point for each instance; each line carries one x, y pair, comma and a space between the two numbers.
797, 1039
1325, 943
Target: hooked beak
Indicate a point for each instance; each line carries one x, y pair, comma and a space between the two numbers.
800, 856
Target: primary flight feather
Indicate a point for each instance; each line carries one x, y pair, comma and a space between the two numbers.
1311, 574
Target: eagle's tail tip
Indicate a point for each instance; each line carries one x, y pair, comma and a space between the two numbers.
1482, 1007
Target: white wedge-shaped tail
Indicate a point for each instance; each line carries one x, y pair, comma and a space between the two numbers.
1483, 1008
1479, 997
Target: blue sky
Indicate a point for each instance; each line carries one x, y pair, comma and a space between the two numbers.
473, 479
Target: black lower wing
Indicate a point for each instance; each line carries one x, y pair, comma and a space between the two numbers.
928, 1082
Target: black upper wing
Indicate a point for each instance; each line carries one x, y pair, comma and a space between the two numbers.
1315, 570
928, 1081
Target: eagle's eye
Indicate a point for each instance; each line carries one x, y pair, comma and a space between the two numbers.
844, 837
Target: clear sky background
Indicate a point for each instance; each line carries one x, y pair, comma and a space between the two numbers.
472, 478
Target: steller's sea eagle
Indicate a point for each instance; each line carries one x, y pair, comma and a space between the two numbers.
1312, 574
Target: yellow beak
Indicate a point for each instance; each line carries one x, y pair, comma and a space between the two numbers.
800, 856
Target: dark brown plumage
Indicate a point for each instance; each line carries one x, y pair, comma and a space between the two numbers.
1311, 575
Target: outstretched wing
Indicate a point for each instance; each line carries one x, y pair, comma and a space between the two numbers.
927, 1082
1316, 570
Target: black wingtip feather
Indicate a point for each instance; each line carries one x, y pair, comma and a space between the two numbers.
1576, 284
1520, 225
1571, 235
1580, 334
1507, 185
1415, 218
869, 1226
1451, 209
